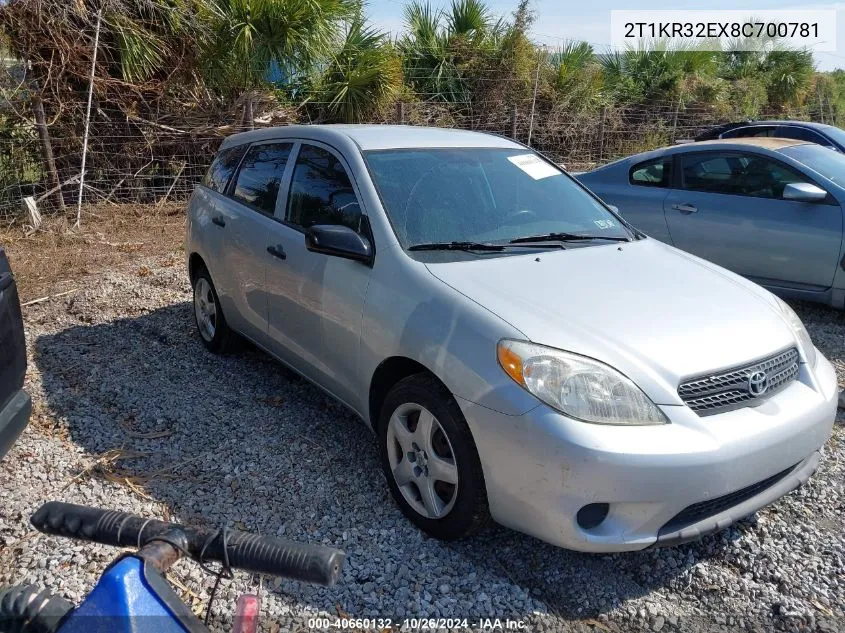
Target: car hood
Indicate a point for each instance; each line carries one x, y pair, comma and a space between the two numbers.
651, 311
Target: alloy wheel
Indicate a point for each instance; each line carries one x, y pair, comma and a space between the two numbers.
205, 308
422, 461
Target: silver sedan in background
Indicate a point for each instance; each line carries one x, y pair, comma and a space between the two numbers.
768, 209
518, 350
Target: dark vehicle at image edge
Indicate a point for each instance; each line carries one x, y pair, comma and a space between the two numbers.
828, 136
15, 404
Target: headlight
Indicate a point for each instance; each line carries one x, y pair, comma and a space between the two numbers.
578, 386
804, 340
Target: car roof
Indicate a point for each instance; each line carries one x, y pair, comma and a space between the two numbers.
763, 142
767, 142
724, 128
368, 137
810, 124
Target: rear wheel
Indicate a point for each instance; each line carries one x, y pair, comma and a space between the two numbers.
430, 459
211, 324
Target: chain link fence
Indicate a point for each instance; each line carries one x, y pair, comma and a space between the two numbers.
149, 161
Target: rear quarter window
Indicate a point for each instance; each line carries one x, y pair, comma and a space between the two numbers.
651, 173
222, 167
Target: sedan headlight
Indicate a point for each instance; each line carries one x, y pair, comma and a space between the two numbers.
804, 340
577, 386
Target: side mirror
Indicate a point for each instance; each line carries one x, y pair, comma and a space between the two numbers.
803, 192
339, 241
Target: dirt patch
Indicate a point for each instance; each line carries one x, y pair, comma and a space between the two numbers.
53, 259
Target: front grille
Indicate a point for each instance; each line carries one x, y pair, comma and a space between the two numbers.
729, 389
706, 509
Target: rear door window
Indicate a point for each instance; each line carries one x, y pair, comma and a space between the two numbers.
222, 167
260, 176
653, 173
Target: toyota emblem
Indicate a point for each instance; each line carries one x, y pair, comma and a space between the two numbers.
758, 382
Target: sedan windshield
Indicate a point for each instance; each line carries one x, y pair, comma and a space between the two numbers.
828, 163
484, 196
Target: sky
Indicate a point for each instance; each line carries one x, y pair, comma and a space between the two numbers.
560, 20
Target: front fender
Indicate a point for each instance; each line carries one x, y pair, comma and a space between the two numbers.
415, 315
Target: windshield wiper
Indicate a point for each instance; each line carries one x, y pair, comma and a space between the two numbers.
457, 246
566, 237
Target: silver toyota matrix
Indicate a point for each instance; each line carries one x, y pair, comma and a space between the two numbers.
519, 351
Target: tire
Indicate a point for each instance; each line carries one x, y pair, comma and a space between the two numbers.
446, 511
211, 325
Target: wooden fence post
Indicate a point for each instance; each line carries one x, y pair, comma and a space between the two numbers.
46, 145
514, 114
250, 117
675, 121
821, 103
400, 113
540, 51
601, 131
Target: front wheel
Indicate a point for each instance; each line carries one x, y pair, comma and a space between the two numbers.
430, 460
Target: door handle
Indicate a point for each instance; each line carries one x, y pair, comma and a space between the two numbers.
219, 221
277, 251
685, 208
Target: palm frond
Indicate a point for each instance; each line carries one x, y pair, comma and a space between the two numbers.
470, 18
253, 35
140, 51
363, 74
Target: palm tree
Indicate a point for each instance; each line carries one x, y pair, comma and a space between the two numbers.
658, 71
140, 39
439, 46
363, 74
469, 19
579, 79
249, 37
786, 74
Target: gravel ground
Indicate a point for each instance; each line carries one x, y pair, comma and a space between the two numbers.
131, 413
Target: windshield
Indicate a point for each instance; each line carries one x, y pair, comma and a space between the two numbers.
828, 163
489, 195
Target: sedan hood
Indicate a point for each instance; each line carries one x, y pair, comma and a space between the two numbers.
651, 311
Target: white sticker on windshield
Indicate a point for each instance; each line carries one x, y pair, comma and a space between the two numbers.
604, 224
534, 166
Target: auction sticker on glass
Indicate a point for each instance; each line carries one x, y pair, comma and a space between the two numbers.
534, 166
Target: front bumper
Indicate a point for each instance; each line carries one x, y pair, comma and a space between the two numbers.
758, 496
14, 417
540, 468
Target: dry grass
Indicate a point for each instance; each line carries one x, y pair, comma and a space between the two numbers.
50, 260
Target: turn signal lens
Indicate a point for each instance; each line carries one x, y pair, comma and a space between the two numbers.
510, 362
